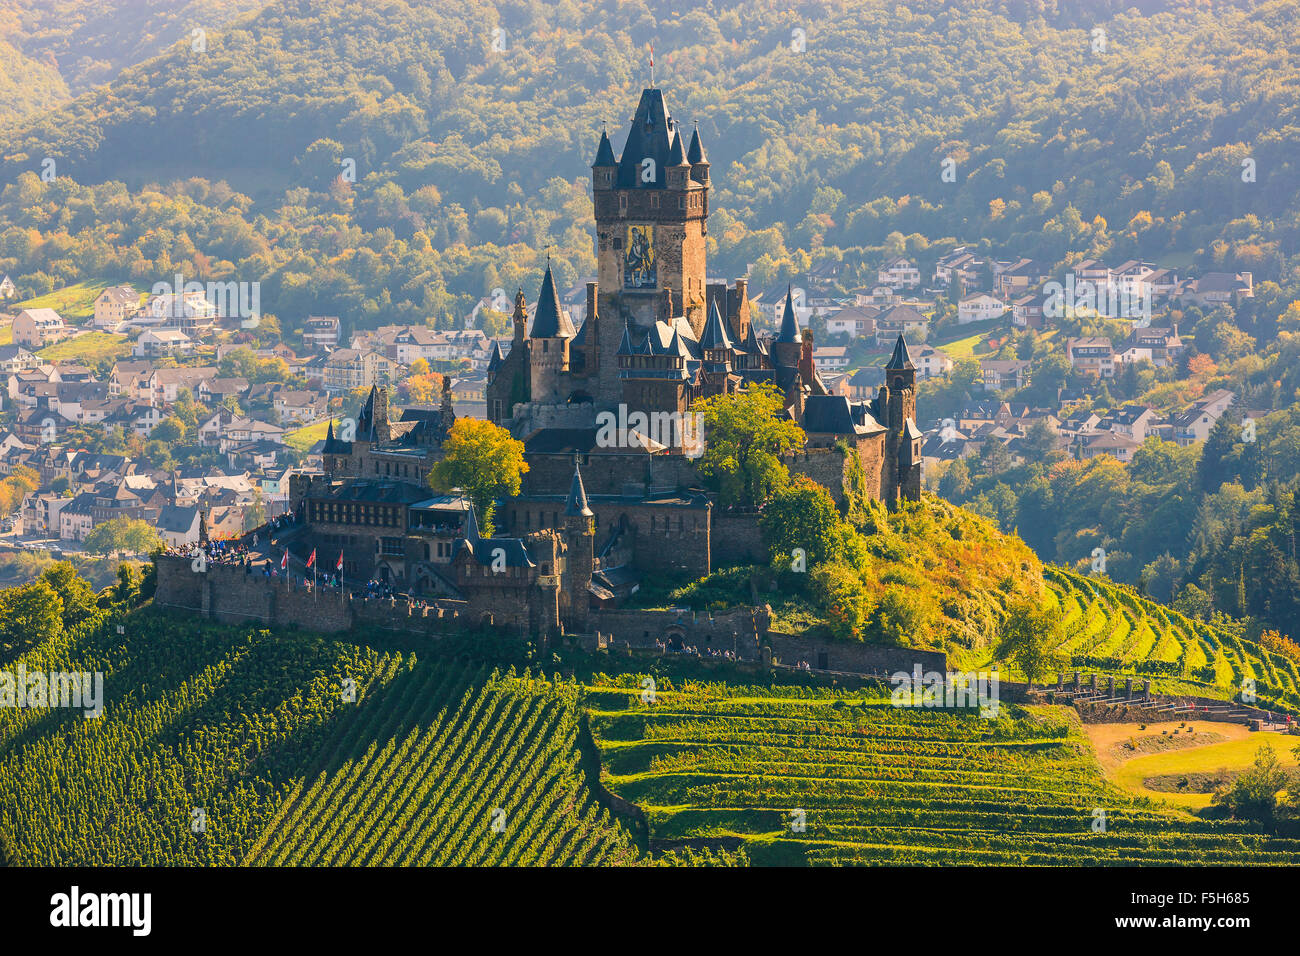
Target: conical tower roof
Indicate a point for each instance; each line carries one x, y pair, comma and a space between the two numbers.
789, 323
576, 505
550, 322
902, 358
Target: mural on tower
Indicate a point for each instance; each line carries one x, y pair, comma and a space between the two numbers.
640, 267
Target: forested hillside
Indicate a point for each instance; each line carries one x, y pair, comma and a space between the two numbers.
472, 124
53, 50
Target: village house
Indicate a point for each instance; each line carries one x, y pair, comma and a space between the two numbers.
979, 307
1027, 311
346, 370
154, 343
1091, 356
831, 357
902, 320
7, 289
1215, 289
321, 332
1131, 421
115, 305
899, 273
959, 264
15, 358
164, 385
1017, 278
855, 321
1194, 423
1000, 374
37, 328
931, 362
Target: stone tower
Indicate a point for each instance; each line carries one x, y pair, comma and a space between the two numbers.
580, 547
900, 476
651, 209
548, 345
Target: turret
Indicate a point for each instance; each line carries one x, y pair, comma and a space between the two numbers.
787, 349
580, 545
548, 343
603, 169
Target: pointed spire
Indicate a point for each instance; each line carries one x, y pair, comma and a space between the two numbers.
471, 526
789, 323
550, 322
576, 505
675, 155
495, 359
715, 330
902, 358
329, 434
604, 152
695, 154
625, 346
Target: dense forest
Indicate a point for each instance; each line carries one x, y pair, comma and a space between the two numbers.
53, 50
470, 127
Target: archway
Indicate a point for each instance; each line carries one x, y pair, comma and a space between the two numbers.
675, 638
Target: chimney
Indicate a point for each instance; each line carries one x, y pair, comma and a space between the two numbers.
806, 368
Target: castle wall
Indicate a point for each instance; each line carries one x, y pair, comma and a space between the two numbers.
826, 654
736, 540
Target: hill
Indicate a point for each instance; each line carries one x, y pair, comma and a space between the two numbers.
253, 729
59, 49
828, 125
871, 783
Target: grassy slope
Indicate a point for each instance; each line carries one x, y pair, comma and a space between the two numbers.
879, 784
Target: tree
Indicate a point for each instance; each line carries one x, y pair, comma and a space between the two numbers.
30, 614
840, 593
746, 435
1253, 795
802, 518
904, 616
484, 461
1029, 638
78, 597
122, 534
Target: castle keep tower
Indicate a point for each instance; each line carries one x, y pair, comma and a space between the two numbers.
652, 207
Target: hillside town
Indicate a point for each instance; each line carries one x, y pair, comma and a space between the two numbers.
160, 407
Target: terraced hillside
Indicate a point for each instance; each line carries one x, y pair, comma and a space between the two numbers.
718, 764
450, 768
1111, 629
262, 733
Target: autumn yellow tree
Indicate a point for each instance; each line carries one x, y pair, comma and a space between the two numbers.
484, 461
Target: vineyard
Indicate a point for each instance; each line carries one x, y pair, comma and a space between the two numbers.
803, 776
1110, 629
225, 745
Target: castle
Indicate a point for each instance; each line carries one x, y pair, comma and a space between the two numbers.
594, 518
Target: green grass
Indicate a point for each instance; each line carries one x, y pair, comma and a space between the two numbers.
881, 784
1230, 755
87, 348
301, 439
73, 302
